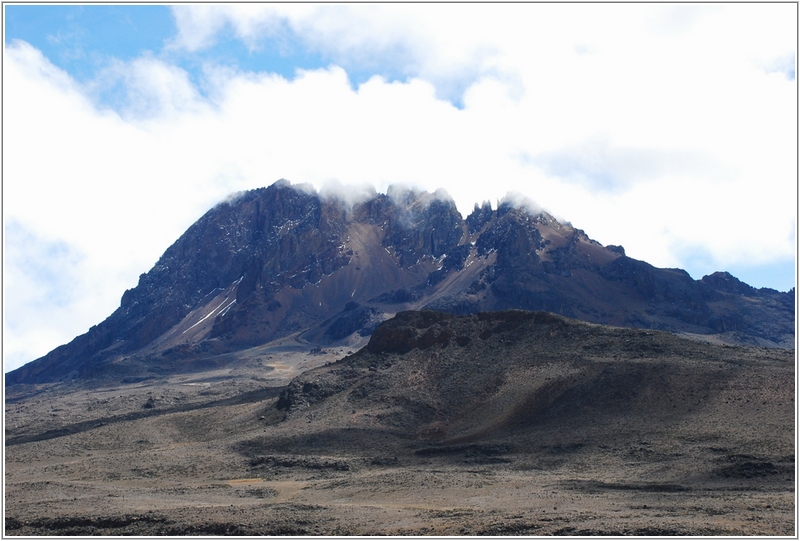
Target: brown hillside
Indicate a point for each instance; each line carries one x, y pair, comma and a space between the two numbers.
446, 379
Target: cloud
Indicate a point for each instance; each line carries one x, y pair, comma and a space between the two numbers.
198, 27
349, 194
784, 64
520, 200
49, 262
146, 88
453, 46
394, 41
51, 296
658, 141
599, 165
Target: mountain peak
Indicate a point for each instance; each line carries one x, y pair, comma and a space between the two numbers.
725, 281
285, 259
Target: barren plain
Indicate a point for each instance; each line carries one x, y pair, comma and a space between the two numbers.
481, 425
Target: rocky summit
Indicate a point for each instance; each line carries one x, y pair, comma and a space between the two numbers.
286, 261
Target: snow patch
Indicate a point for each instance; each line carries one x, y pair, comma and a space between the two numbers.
225, 310
211, 313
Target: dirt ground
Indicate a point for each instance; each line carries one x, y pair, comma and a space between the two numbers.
204, 454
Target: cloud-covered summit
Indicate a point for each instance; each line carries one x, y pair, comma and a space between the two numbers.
685, 111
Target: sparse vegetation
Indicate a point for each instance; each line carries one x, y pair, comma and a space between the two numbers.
536, 425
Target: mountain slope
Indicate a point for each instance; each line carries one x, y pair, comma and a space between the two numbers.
282, 260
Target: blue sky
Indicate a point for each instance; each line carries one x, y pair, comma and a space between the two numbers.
85, 39
82, 39
670, 129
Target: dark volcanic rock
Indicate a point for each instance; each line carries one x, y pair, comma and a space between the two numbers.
724, 281
282, 259
409, 330
480, 216
416, 229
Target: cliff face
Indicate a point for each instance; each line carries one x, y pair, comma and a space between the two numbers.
282, 260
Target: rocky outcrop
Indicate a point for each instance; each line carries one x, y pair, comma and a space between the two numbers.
481, 215
410, 330
724, 281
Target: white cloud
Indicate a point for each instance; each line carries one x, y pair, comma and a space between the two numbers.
45, 279
198, 26
146, 88
431, 41
677, 108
